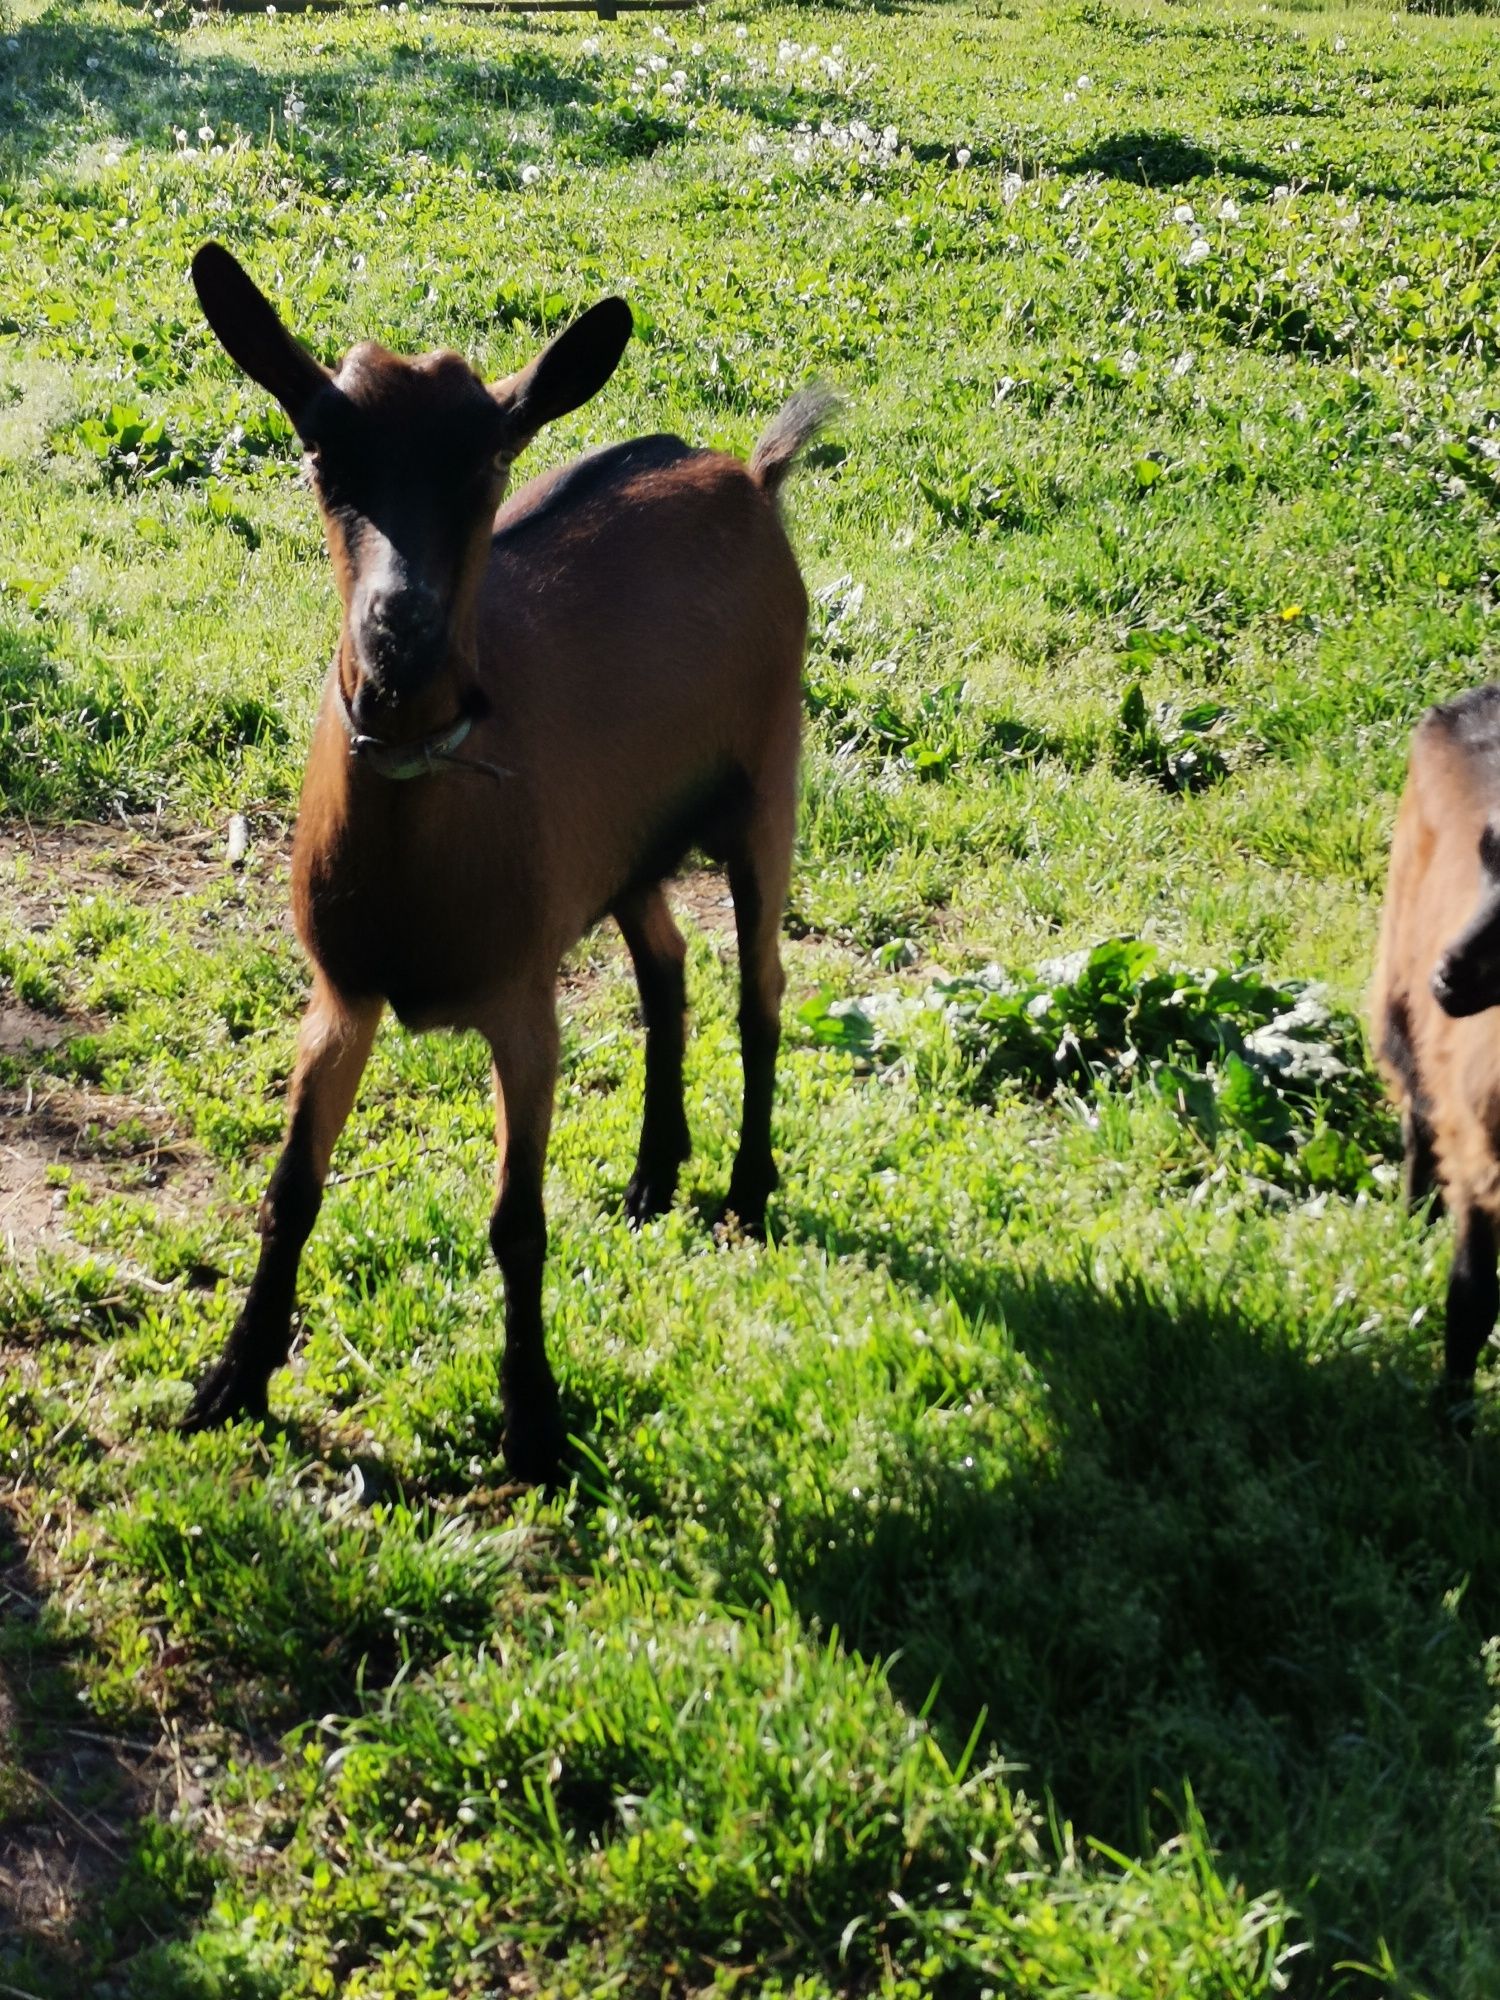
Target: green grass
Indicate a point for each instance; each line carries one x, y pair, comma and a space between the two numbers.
1037, 1570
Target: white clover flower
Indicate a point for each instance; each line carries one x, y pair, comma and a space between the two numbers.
1010, 186
1182, 364
590, 46
801, 155
656, 64
1280, 193
1183, 212
890, 139
90, 62
671, 90
1129, 361
679, 77
963, 156
1199, 249
271, 13
741, 32
1229, 209
206, 134
530, 175
1084, 83
696, 49
1070, 97
1339, 45
755, 144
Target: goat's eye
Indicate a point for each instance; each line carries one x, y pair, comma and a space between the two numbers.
500, 464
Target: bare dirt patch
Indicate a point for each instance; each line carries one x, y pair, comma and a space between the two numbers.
41, 867
56, 1135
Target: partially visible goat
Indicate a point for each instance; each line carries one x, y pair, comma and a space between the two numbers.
581, 689
1436, 978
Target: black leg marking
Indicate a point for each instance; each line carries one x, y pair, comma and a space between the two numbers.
332, 1051
658, 952
523, 1042
1473, 1298
757, 914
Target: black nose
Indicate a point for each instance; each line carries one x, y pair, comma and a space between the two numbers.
1456, 989
400, 636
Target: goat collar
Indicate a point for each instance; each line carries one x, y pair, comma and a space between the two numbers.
419, 759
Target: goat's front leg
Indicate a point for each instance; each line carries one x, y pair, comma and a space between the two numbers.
523, 1040
332, 1050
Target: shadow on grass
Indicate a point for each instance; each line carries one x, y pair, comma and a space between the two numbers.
98, 1892
1167, 160
68, 81
1228, 1564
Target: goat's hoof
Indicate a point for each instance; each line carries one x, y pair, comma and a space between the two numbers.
532, 1455
648, 1195
744, 1214
744, 1210
532, 1441
1455, 1408
229, 1390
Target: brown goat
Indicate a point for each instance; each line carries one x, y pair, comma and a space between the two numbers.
619, 654
1436, 977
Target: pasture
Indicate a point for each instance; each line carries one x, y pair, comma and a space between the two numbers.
1037, 1569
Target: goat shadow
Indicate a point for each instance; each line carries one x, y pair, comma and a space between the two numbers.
1232, 1566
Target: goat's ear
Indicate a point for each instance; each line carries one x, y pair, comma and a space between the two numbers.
570, 369
251, 334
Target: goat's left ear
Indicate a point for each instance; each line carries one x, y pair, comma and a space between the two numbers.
569, 369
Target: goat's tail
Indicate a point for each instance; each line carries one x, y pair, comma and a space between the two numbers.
790, 432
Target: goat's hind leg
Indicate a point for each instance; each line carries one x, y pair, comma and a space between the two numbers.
332, 1050
658, 952
760, 870
522, 1034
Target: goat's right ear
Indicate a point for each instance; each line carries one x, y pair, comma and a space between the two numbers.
251, 334
569, 369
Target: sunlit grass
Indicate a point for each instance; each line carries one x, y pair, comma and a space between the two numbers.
1036, 1569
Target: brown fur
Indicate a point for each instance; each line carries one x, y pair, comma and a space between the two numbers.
627, 634
1444, 1071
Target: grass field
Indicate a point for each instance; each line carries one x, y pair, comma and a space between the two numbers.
1037, 1570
